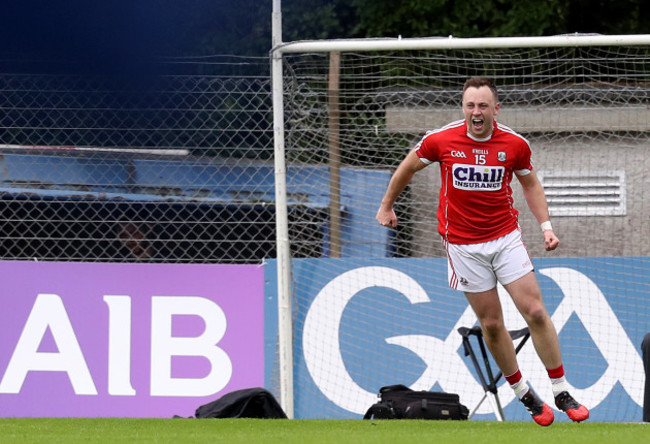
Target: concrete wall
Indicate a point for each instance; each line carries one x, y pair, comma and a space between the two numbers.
527, 119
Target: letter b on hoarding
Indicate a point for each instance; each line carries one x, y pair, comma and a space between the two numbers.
164, 346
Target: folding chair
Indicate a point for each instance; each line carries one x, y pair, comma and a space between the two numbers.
490, 388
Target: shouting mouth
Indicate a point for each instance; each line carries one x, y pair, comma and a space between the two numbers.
477, 124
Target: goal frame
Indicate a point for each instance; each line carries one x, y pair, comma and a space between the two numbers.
279, 49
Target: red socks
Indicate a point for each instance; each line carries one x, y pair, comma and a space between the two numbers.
514, 378
555, 373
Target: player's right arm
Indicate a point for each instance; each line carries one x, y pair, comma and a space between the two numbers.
401, 178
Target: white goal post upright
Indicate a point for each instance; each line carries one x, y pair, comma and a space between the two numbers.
365, 45
285, 328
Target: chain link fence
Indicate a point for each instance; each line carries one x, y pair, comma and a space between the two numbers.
172, 166
175, 163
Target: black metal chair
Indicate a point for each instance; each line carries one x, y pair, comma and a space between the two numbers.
488, 380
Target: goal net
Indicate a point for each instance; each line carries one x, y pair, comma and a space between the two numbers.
375, 309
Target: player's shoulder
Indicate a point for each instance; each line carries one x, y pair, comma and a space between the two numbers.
448, 129
506, 131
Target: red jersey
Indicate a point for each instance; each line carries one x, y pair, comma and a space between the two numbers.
476, 202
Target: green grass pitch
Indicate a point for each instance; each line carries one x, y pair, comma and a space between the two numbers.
130, 430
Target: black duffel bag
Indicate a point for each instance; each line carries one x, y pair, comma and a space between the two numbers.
246, 403
400, 402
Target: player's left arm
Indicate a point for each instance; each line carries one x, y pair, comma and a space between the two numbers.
536, 200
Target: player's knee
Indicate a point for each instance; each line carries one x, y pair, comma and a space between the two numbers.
536, 314
491, 328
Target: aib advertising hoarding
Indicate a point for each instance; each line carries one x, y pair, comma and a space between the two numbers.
127, 340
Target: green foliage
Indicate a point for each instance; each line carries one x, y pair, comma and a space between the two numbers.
461, 18
608, 16
412, 18
243, 27
317, 19
492, 18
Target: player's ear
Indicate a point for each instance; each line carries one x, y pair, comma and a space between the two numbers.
497, 107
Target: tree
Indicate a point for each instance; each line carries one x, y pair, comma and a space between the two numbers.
491, 18
460, 18
609, 16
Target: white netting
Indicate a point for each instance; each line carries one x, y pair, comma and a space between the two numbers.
584, 110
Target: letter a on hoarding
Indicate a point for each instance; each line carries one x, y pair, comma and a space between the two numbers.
48, 312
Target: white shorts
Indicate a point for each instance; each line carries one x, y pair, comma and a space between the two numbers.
474, 268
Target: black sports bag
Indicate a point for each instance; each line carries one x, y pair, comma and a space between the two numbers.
400, 402
245, 403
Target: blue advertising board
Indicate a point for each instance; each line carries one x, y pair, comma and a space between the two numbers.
364, 323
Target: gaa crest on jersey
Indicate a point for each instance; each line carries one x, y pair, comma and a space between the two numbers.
501, 156
477, 177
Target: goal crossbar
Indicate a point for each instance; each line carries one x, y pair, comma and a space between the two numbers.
398, 43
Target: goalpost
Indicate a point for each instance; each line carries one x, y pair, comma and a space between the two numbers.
375, 306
